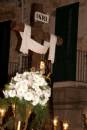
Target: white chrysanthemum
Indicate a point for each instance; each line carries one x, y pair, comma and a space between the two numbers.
20, 94
35, 100
47, 93
17, 77
28, 96
6, 93
30, 86
11, 93
43, 102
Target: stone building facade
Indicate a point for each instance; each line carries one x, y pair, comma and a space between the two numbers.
68, 93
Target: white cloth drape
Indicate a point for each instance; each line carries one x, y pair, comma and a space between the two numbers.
30, 44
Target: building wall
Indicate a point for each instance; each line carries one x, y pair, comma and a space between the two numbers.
73, 113
23, 15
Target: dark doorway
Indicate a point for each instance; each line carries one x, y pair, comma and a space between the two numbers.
66, 26
4, 51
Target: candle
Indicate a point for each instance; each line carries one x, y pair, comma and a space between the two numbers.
2, 112
55, 121
19, 125
65, 125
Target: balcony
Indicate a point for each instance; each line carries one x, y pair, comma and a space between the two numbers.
70, 97
81, 68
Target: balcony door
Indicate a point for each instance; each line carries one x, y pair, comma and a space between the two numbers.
4, 51
66, 26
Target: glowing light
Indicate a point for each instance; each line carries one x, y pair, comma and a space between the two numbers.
2, 112
65, 125
55, 121
19, 125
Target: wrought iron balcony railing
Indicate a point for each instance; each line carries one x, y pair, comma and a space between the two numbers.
81, 66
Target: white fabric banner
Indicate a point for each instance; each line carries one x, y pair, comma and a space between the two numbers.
30, 44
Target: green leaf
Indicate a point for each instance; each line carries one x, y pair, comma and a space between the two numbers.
41, 115
4, 103
21, 111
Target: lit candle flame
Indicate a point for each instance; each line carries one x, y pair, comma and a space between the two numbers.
2, 112
65, 125
55, 122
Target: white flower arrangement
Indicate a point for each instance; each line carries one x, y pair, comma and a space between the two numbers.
29, 86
